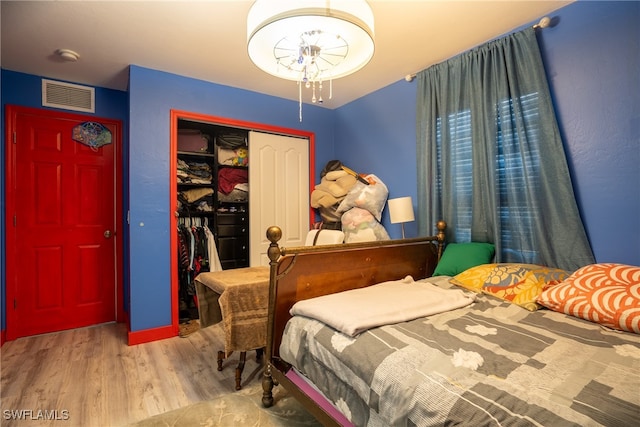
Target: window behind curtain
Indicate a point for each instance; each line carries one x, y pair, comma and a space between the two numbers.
517, 214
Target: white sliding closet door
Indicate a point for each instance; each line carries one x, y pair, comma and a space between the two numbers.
278, 191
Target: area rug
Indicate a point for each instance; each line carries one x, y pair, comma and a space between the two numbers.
239, 408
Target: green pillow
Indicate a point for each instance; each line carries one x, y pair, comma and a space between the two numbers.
458, 257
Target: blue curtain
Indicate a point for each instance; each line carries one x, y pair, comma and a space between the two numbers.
490, 157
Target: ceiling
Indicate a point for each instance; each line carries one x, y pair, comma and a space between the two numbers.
207, 40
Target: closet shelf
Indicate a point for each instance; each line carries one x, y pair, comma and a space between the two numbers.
193, 185
196, 154
185, 214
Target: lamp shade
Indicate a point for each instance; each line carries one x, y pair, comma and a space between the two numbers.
401, 210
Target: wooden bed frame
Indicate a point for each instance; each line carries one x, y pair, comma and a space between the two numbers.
300, 273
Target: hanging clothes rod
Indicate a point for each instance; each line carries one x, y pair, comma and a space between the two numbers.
543, 23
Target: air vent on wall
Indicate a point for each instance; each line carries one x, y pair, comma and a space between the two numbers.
68, 96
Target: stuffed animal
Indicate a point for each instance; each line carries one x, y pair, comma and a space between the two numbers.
241, 158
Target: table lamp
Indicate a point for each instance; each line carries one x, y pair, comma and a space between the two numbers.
401, 211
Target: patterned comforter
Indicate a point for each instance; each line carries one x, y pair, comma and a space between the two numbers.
489, 364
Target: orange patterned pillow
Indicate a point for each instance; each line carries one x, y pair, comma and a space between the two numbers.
514, 282
608, 294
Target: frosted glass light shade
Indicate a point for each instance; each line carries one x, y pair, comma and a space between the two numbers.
312, 40
401, 210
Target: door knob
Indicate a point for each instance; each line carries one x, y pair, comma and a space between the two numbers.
107, 234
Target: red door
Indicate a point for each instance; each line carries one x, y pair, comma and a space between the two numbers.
61, 224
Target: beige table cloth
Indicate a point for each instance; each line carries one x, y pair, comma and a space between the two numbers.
240, 299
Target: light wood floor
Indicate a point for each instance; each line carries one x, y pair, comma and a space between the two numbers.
102, 382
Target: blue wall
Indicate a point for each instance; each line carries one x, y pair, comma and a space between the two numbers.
592, 59
377, 134
152, 94
593, 66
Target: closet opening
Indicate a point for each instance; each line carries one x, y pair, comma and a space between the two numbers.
212, 208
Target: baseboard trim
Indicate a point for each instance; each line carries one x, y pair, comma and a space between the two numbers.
148, 335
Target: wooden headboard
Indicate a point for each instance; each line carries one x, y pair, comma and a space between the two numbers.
300, 273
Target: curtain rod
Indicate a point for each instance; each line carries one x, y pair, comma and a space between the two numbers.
544, 23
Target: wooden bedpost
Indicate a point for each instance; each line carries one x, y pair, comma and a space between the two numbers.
274, 234
441, 225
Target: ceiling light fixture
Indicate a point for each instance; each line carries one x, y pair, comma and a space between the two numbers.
67, 55
310, 41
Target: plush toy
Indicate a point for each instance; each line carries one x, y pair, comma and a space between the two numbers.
241, 158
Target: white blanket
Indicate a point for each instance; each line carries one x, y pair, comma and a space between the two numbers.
353, 312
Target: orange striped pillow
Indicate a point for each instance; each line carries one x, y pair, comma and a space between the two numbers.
608, 294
